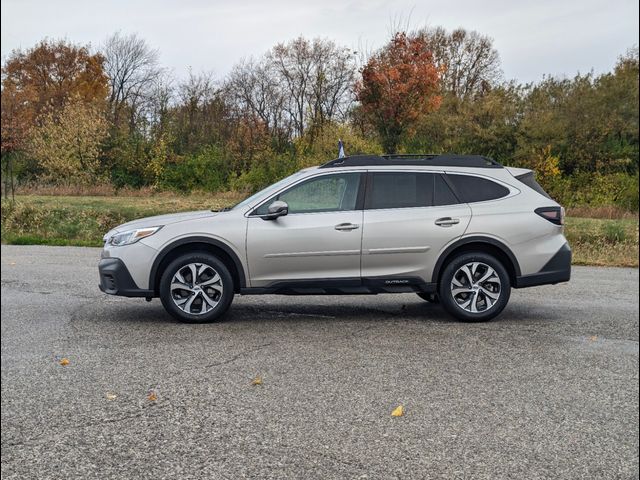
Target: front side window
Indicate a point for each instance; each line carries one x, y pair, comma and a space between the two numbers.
400, 190
265, 191
328, 193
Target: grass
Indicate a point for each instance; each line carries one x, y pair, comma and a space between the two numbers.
76, 220
609, 212
131, 205
603, 242
82, 220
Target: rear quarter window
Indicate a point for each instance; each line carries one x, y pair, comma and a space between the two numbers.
477, 189
529, 179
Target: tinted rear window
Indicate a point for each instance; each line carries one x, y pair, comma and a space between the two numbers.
529, 179
400, 190
477, 189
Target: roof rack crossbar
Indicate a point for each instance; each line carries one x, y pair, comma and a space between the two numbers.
443, 160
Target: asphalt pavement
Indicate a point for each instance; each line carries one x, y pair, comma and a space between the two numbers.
547, 390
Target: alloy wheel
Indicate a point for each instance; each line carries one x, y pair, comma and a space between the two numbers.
196, 288
475, 287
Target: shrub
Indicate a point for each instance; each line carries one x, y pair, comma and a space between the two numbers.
595, 190
322, 146
205, 170
263, 173
614, 232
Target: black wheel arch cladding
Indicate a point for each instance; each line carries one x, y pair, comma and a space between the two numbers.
191, 245
480, 244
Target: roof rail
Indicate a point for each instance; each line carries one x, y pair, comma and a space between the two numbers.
444, 160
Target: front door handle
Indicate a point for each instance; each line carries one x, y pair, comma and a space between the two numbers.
346, 227
447, 221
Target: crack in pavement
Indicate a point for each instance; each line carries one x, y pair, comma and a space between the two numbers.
30, 441
238, 356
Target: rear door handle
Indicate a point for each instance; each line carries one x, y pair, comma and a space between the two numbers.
447, 221
345, 227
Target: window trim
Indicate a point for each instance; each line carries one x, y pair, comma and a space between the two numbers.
359, 196
455, 194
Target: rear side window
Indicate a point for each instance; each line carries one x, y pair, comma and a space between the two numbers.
477, 189
529, 179
442, 194
400, 190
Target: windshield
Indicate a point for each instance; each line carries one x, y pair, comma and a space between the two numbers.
266, 191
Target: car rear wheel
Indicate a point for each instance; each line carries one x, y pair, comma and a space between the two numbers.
474, 287
196, 288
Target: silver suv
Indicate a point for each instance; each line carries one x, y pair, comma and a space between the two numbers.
459, 230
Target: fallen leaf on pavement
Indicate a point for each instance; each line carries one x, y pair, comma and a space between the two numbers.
64, 362
152, 397
593, 338
257, 381
398, 412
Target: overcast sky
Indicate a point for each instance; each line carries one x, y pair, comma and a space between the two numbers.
533, 37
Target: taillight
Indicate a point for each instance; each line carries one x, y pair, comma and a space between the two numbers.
553, 214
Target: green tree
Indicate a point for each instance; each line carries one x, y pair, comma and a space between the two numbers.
485, 125
67, 147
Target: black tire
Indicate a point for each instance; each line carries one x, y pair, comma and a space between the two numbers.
455, 306
221, 299
429, 297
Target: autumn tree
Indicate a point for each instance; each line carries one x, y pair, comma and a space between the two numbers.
467, 61
39, 82
12, 132
399, 85
67, 146
15, 124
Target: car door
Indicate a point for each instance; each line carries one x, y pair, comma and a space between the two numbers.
409, 218
319, 239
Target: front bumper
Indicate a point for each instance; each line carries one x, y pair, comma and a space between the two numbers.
556, 270
115, 279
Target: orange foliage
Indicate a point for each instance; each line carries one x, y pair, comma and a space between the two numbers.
40, 80
399, 85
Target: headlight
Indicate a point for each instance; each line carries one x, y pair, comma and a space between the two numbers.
131, 236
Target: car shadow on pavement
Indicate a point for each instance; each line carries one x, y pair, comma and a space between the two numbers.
327, 310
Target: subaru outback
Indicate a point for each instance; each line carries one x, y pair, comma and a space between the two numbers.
460, 230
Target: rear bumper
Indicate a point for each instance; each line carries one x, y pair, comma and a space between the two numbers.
556, 270
115, 279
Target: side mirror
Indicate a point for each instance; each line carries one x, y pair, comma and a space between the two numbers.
277, 209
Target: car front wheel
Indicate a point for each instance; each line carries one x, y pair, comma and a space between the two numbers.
196, 288
474, 287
